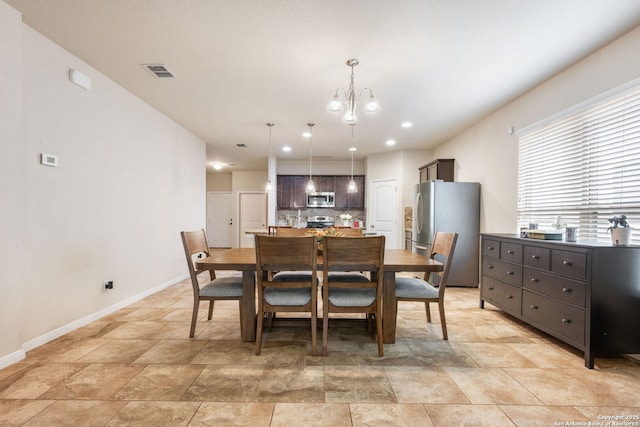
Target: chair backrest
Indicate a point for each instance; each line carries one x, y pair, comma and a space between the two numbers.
292, 232
277, 253
354, 254
195, 245
442, 250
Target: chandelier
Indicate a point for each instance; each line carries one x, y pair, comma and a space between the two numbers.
347, 100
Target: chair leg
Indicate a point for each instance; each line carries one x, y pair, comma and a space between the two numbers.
443, 321
210, 309
259, 329
194, 317
314, 333
325, 330
379, 333
428, 310
270, 317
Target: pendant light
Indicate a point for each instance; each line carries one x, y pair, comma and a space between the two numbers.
352, 188
269, 187
310, 188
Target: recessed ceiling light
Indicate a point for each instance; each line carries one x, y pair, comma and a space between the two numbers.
406, 124
390, 142
286, 148
352, 148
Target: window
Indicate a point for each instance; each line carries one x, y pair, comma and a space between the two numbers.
583, 165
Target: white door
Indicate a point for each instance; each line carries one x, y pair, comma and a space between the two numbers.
253, 216
219, 219
383, 211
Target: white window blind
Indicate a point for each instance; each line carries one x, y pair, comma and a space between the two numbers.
585, 167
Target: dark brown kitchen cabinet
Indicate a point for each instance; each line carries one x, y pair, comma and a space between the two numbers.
292, 195
583, 293
324, 183
346, 200
438, 169
291, 191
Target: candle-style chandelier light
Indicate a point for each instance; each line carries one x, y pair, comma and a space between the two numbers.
347, 100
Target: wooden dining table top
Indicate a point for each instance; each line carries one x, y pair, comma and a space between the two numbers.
244, 259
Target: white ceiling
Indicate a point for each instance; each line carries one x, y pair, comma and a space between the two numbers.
441, 64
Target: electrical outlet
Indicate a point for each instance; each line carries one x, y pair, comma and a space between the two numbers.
108, 285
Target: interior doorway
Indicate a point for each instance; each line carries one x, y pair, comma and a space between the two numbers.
219, 219
383, 211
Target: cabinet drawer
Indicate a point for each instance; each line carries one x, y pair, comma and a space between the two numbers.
511, 252
566, 290
572, 264
491, 248
537, 257
563, 319
510, 273
505, 296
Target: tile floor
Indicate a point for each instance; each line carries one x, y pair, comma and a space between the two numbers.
138, 367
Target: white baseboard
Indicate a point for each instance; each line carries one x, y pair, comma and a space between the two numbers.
65, 329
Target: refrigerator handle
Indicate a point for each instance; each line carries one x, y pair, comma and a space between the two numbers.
417, 212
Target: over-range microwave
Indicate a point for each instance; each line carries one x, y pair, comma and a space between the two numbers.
321, 200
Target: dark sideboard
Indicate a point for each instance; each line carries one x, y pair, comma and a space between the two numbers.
586, 294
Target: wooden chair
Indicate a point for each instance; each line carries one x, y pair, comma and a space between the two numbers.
347, 254
289, 293
414, 289
223, 288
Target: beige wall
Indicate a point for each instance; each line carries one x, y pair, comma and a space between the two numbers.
488, 154
13, 262
128, 181
219, 181
320, 167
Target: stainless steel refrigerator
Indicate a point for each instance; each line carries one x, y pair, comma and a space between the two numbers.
451, 207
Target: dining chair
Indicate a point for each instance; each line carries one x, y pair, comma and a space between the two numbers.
223, 288
421, 290
349, 254
287, 293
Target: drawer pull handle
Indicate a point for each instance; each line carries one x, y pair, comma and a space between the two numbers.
510, 273
509, 296
566, 320
566, 290
510, 252
535, 257
490, 289
534, 307
490, 267
565, 262
489, 248
534, 280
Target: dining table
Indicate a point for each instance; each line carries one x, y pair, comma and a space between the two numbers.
244, 260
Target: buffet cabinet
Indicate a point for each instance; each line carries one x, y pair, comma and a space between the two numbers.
586, 294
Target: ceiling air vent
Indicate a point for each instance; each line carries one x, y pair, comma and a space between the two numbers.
241, 145
158, 70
